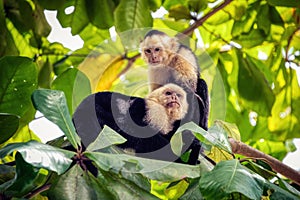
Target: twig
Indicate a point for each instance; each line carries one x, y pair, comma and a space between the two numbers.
245, 150
38, 191
129, 64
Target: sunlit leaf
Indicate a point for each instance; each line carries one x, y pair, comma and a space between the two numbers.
52, 103
75, 85
177, 190
41, 155
110, 74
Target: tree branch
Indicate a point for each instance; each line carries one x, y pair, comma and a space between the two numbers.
199, 22
245, 150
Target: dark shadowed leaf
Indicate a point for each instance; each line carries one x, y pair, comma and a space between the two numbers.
41, 155
52, 103
101, 13
9, 125
25, 179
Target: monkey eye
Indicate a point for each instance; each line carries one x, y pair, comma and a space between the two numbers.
168, 93
148, 51
179, 95
157, 49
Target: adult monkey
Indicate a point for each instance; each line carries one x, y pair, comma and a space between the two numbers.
145, 123
171, 62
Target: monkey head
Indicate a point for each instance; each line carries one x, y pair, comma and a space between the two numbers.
158, 48
173, 99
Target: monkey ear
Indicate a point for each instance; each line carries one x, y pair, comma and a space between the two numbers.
174, 44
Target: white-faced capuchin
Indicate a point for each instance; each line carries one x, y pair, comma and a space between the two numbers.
171, 62
145, 123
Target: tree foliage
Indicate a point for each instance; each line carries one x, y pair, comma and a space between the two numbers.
248, 52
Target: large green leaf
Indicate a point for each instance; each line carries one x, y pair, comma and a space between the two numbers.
78, 19
131, 14
228, 177
101, 13
216, 135
18, 79
9, 125
253, 87
52, 103
153, 169
75, 85
41, 155
77, 184
106, 138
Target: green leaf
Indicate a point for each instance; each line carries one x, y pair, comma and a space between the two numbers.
45, 77
131, 14
41, 155
106, 138
75, 85
197, 5
124, 188
254, 88
18, 79
263, 19
150, 168
228, 177
101, 13
9, 124
286, 3
179, 12
215, 135
52, 103
25, 179
76, 20
77, 184
177, 190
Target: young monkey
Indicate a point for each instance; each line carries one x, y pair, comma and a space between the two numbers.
169, 61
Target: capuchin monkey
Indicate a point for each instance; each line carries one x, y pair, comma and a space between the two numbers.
171, 62
147, 124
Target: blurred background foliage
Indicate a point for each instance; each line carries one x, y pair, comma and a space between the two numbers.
248, 52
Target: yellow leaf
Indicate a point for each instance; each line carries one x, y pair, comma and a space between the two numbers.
102, 70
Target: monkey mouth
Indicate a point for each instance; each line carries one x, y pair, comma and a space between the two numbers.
173, 104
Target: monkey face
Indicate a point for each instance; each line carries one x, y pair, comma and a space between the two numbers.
157, 49
153, 55
173, 98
